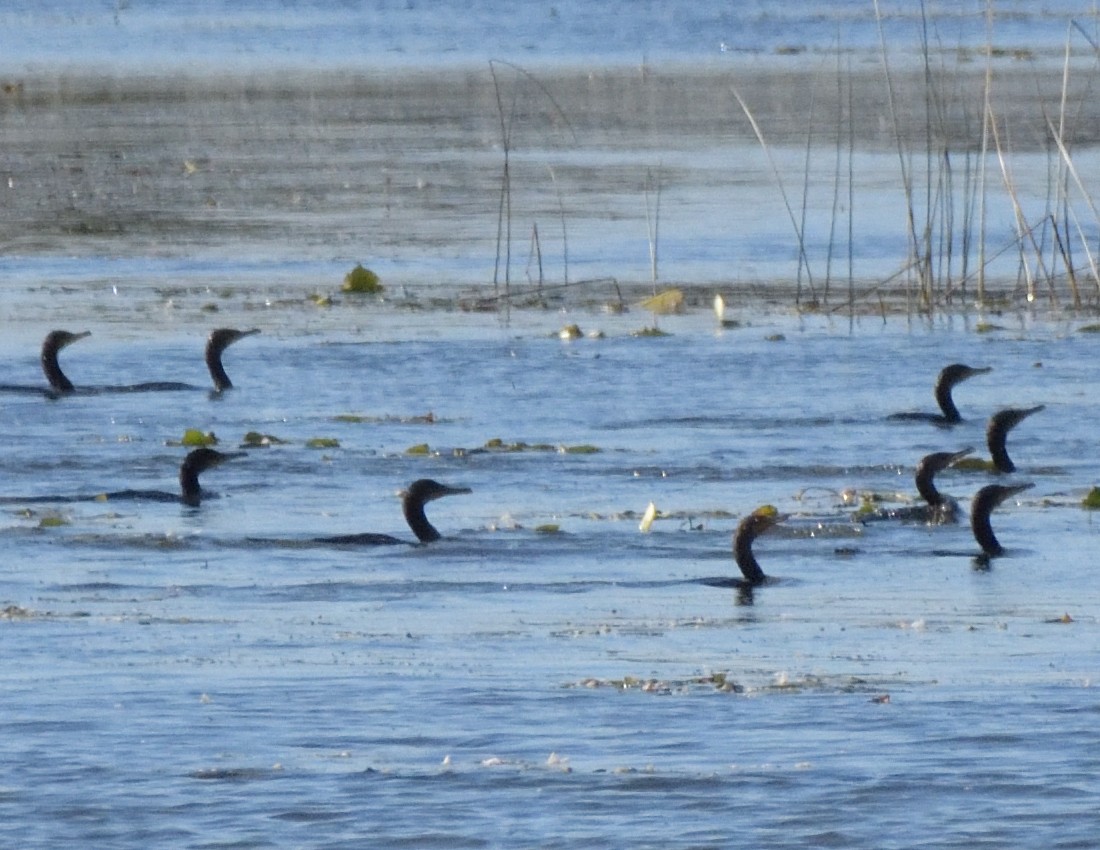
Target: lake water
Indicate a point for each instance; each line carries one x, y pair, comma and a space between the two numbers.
546, 675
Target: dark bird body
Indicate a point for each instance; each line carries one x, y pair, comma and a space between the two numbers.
948, 379
413, 500
983, 504
996, 433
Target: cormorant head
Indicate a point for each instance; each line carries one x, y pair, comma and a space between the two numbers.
928, 467
57, 340
221, 338
1005, 420
759, 521
956, 373
426, 490
202, 459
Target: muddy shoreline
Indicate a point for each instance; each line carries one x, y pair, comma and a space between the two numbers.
332, 165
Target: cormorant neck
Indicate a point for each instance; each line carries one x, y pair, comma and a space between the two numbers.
414, 515
946, 402
742, 553
926, 485
52, 368
190, 491
217, 370
983, 530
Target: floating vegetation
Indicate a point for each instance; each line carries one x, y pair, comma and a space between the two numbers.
322, 443
1089, 329
256, 440
548, 528
974, 464
194, 438
775, 338
1092, 499
988, 327
428, 418
52, 521
420, 449
648, 332
362, 281
664, 303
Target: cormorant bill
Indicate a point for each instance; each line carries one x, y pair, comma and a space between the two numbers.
1000, 423
218, 341
51, 347
413, 499
985, 500
949, 377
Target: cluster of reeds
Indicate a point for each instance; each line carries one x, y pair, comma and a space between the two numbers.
952, 184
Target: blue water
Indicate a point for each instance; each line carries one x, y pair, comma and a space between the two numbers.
546, 675
216, 34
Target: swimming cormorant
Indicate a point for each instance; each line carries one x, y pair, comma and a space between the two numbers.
948, 378
190, 493
985, 500
939, 509
1000, 423
219, 340
751, 527
413, 499
51, 347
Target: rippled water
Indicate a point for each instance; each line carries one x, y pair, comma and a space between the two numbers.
171, 679
546, 675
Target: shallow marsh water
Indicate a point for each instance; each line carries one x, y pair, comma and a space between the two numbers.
208, 677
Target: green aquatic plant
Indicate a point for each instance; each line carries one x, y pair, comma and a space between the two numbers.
362, 281
650, 332
974, 464
322, 443
256, 440
582, 449
194, 437
1089, 329
420, 449
1092, 499
548, 528
52, 521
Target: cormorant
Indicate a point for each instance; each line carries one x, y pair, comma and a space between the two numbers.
51, 347
940, 509
216, 344
751, 527
985, 500
948, 378
413, 499
197, 461
218, 341
1000, 423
